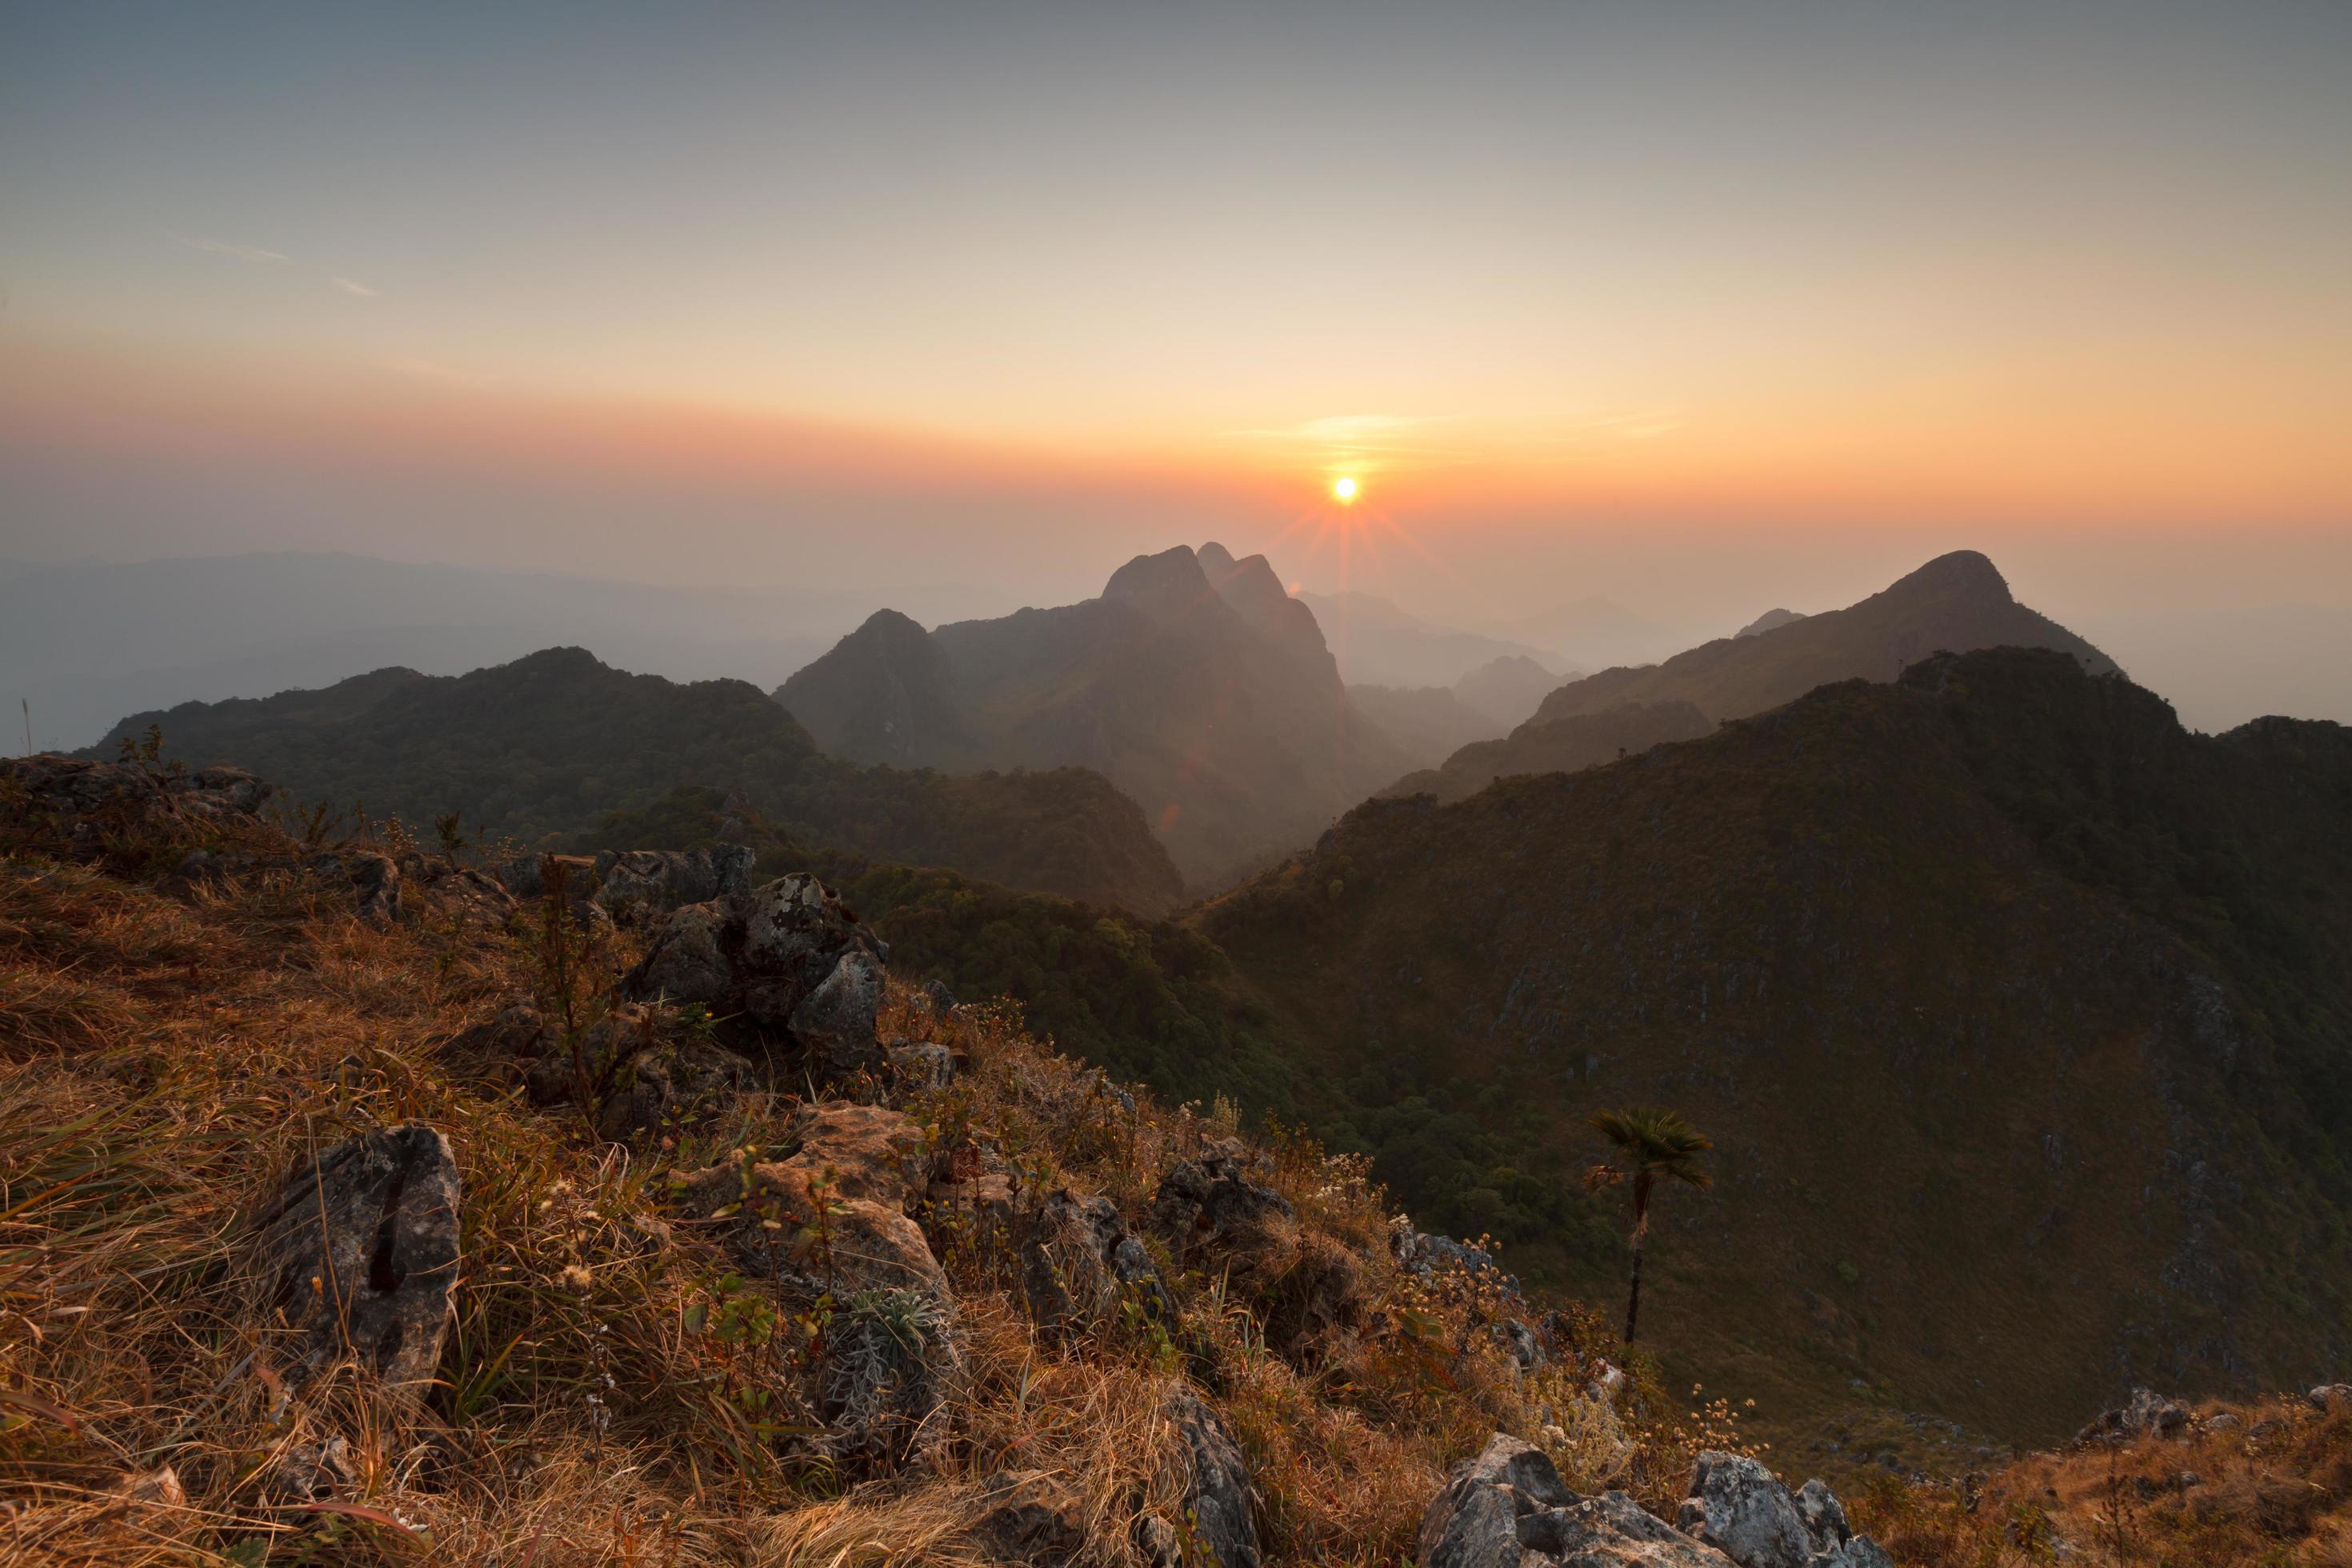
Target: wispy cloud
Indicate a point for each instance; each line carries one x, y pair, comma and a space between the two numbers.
352, 285
1343, 427
223, 247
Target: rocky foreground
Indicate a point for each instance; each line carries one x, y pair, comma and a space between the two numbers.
363, 1203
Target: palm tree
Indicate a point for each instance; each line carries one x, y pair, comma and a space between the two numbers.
1650, 1143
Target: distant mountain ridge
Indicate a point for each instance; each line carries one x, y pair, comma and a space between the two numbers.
1380, 643
1558, 746
548, 745
1194, 683
1956, 602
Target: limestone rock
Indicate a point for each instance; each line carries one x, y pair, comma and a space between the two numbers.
1080, 1264
459, 892
1217, 1489
1212, 1205
637, 886
922, 1067
2330, 1397
89, 797
2147, 1414
856, 1167
1742, 1510
373, 880
359, 1253
788, 958
1300, 1280
1508, 1508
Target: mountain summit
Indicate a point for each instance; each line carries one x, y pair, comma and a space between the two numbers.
1953, 604
1193, 681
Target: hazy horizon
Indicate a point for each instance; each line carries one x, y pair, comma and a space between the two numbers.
1701, 311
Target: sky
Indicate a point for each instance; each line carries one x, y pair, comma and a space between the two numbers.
1700, 308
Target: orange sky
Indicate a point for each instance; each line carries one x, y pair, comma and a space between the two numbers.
998, 297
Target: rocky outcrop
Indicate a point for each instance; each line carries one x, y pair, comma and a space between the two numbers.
2147, 1414
787, 959
98, 794
1739, 1508
1216, 1486
1508, 1508
1080, 1266
831, 1219
643, 1081
1300, 1281
839, 1202
457, 892
638, 885
359, 1253
373, 881
1211, 1204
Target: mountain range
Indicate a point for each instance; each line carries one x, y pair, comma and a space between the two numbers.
541, 748
1953, 603
2019, 1016
2017, 1012
1193, 681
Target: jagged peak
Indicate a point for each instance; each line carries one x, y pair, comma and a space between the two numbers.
1151, 575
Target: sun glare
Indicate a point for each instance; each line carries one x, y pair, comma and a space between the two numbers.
1343, 489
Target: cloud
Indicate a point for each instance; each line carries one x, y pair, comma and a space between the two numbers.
222, 247
1350, 427
352, 286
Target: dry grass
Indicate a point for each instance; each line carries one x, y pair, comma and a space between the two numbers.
611, 1392
2271, 1487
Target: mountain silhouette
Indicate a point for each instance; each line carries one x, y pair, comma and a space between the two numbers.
545, 747
1953, 604
1192, 681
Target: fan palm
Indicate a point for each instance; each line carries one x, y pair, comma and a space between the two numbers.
1649, 1143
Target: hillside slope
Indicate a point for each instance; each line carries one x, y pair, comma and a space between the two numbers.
1556, 746
547, 745
2020, 1015
1194, 683
1955, 604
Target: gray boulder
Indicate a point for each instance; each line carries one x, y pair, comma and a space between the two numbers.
1211, 1204
1081, 1265
2329, 1397
373, 881
1217, 1490
788, 959
922, 1066
1741, 1509
2147, 1414
1508, 1508
637, 886
360, 1252
96, 795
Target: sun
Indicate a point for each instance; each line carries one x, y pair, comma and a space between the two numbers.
1343, 489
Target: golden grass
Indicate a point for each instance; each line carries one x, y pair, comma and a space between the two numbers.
608, 1394
2270, 1489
